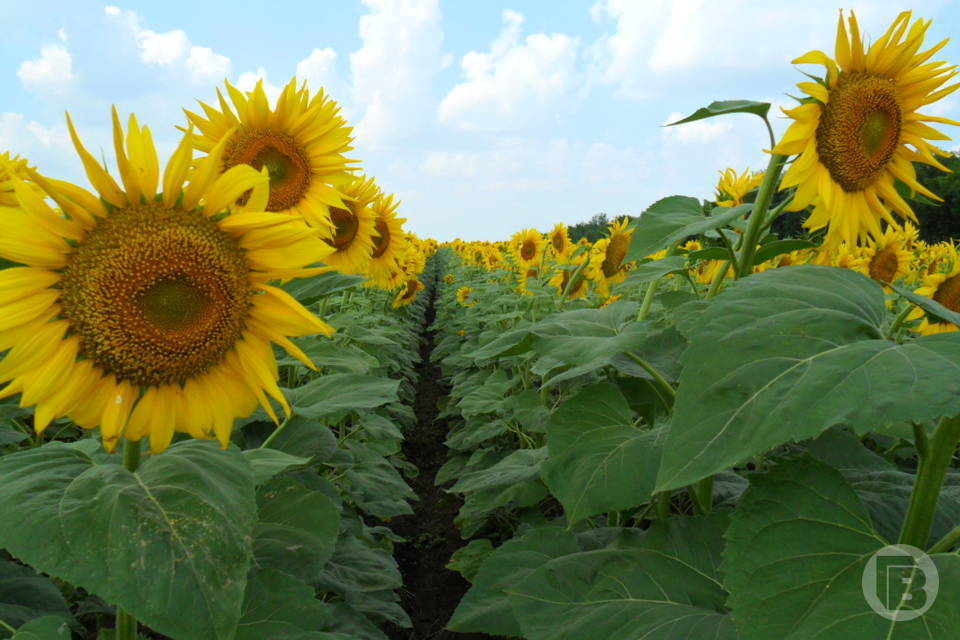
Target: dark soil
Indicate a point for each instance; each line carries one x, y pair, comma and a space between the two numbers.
431, 592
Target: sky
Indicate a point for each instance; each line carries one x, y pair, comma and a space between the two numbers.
484, 117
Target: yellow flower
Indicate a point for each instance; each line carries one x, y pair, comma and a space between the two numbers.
607, 266
354, 226
886, 259
527, 248
463, 296
408, 294
861, 129
561, 279
146, 313
733, 187
301, 142
944, 287
560, 245
389, 241
449, 278
608, 301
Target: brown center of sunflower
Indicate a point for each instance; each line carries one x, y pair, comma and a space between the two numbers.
558, 242
381, 241
345, 224
528, 250
156, 295
859, 129
411, 289
616, 252
532, 273
285, 159
948, 293
884, 264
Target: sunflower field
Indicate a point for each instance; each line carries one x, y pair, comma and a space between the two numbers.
241, 402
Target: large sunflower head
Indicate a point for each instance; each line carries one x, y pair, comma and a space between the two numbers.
861, 130
147, 312
560, 245
301, 143
733, 187
389, 241
607, 262
944, 287
886, 259
354, 227
527, 248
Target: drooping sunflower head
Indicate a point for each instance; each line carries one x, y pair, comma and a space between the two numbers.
354, 227
560, 245
861, 130
146, 313
527, 248
301, 143
733, 187
608, 266
411, 287
886, 259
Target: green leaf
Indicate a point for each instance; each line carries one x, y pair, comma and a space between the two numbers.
268, 462
520, 465
467, 560
297, 529
724, 107
661, 586
337, 392
669, 221
655, 269
784, 355
777, 247
932, 307
375, 485
308, 290
171, 543
277, 605
25, 595
599, 461
45, 628
796, 552
485, 608
305, 437
332, 355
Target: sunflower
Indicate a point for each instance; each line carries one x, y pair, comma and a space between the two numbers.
148, 313
886, 259
450, 278
389, 241
734, 187
561, 279
463, 297
11, 168
944, 287
354, 226
854, 135
559, 242
301, 142
411, 287
527, 248
607, 266
609, 301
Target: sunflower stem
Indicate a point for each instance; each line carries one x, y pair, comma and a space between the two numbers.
929, 482
4, 625
276, 432
652, 289
898, 321
126, 624
572, 279
664, 501
759, 213
656, 375
947, 542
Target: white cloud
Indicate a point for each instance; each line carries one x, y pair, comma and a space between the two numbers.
51, 72
698, 131
248, 81
393, 71
514, 83
201, 64
319, 69
25, 137
451, 164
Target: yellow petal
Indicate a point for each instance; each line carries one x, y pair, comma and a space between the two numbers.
97, 175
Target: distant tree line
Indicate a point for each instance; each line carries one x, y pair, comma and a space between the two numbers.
593, 229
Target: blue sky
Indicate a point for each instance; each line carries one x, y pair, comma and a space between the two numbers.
484, 117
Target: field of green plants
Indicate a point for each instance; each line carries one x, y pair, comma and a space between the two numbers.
240, 402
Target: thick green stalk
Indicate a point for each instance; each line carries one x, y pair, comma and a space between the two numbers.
662, 383
758, 216
126, 624
276, 432
652, 290
898, 321
929, 482
948, 541
718, 278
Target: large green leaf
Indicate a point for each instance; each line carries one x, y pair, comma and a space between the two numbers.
660, 586
337, 392
25, 595
296, 531
655, 269
599, 460
485, 608
268, 462
375, 485
667, 222
308, 290
305, 437
796, 553
519, 466
45, 628
784, 355
171, 543
277, 605
931, 306
332, 355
